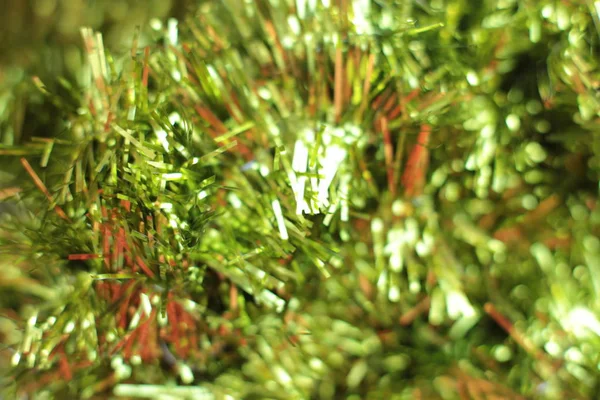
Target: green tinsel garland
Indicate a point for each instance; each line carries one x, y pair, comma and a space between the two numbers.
314, 199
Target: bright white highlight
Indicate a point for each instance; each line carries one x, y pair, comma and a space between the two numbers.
161, 135
280, 220
300, 164
582, 323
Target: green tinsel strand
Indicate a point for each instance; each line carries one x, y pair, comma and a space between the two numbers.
312, 200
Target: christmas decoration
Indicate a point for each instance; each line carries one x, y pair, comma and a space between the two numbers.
312, 199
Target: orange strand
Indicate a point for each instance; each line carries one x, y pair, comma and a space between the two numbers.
38, 182
389, 155
413, 178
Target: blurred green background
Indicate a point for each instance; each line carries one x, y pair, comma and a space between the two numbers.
42, 38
